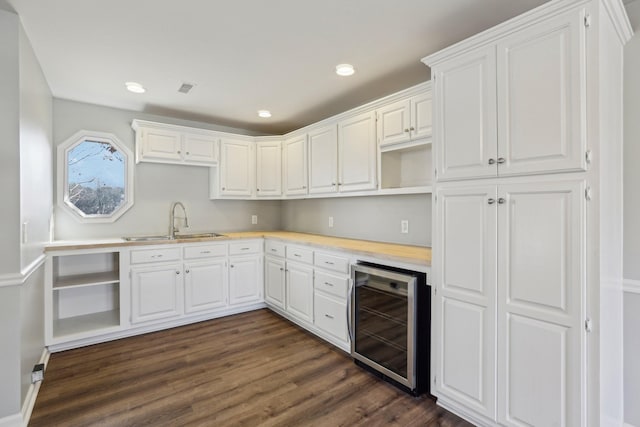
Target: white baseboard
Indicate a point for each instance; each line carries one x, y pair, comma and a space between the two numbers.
32, 394
632, 286
11, 421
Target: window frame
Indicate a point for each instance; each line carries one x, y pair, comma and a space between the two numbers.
63, 174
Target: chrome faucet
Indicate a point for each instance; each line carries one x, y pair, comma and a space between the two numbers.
172, 219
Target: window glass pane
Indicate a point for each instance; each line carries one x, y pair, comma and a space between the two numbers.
96, 177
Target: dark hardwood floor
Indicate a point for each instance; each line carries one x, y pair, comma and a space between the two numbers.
249, 369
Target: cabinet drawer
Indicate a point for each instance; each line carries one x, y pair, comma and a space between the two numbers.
299, 253
205, 251
332, 262
332, 284
155, 255
330, 316
274, 248
241, 248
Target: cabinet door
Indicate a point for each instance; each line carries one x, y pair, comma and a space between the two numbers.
357, 153
323, 160
465, 135
464, 307
156, 292
295, 165
274, 281
300, 291
236, 168
205, 285
245, 280
269, 169
421, 116
394, 121
541, 94
160, 145
200, 149
540, 295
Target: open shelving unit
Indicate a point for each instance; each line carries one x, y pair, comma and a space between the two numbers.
406, 168
83, 294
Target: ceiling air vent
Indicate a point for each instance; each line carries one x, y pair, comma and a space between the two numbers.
185, 88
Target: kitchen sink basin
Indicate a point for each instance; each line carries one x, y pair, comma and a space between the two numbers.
145, 238
198, 235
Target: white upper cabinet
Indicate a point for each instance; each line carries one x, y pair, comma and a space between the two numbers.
237, 167
514, 107
323, 160
465, 136
357, 153
163, 143
541, 94
405, 120
268, 169
295, 166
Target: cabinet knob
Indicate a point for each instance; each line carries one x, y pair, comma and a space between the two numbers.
281, 269
304, 186
231, 266
178, 151
492, 161
406, 130
187, 153
501, 160
411, 128
223, 188
502, 200
491, 201
257, 189
177, 272
186, 271
333, 184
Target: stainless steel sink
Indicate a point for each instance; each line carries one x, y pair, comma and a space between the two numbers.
198, 235
145, 238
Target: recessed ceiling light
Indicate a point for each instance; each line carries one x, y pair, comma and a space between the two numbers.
265, 114
344, 69
135, 87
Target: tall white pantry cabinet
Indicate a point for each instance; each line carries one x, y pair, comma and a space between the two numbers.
527, 251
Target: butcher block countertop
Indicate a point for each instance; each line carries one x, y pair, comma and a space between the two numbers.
406, 253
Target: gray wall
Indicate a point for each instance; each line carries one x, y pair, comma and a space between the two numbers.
156, 185
368, 218
632, 219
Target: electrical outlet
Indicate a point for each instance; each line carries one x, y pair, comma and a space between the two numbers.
404, 226
254, 219
37, 374
330, 222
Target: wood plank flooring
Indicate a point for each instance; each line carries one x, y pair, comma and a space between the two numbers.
251, 369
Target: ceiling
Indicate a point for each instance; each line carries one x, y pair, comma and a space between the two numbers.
246, 55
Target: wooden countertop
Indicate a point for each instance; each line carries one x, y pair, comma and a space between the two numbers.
406, 253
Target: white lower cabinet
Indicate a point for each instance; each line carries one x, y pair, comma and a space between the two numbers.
205, 285
300, 291
156, 292
274, 281
331, 315
508, 308
245, 279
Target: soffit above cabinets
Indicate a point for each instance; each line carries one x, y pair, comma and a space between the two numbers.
246, 56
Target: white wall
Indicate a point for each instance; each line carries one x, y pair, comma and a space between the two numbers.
156, 185
368, 218
632, 220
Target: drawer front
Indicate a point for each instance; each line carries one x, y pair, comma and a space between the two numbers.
299, 253
274, 248
241, 248
332, 284
205, 251
140, 256
331, 316
332, 262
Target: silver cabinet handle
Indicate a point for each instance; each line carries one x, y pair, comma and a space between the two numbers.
297, 255
328, 262
491, 201
492, 161
349, 295
328, 316
244, 249
328, 284
501, 160
274, 250
205, 252
156, 256
502, 200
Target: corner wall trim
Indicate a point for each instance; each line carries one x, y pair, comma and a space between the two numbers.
18, 279
632, 286
32, 394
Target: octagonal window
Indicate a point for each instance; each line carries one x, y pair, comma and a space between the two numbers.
95, 176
